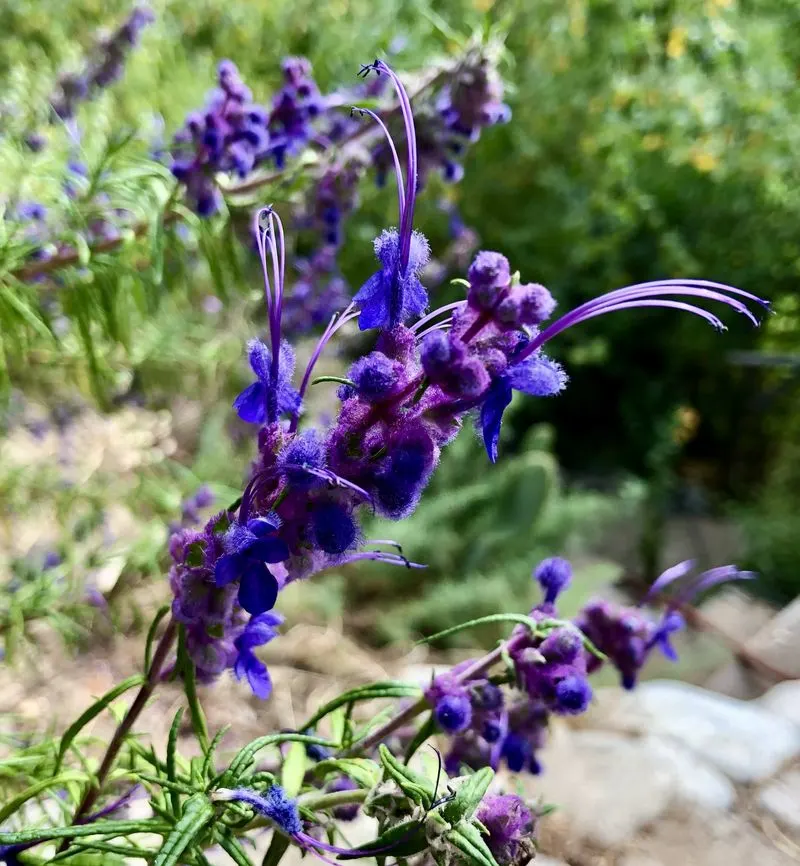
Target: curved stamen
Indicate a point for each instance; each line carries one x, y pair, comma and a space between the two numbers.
262, 254
650, 295
337, 321
331, 477
380, 556
437, 312
439, 326
411, 171
397, 168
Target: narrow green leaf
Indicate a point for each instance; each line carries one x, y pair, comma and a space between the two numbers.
197, 814
106, 848
277, 848
94, 710
245, 756
294, 769
468, 796
208, 761
467, 839
199, 725
424, 732
364, 772
14, 804
172, 746
151, 635
232, 847
495, 617
389, 689
97, 828
413, 784
167, 784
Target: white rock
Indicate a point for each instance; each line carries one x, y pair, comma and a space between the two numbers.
605, 785
784, 700
744, 740
781, 799
697, 783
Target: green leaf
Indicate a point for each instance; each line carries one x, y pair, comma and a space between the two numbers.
94, 710
402, 840
424, 732
389, 689
151, 635
468, 796
294, 769
14, 804
468, 840
277, 848
494, 617
245, 756
106, 848
172, 745
199, 725
208, 761
362, 771
97, 828
232, 846
414, 785
197, 814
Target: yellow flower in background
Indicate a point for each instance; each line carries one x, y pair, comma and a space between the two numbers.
652, 141
703, 161
687, 420
483, 5
676, 43
713, 7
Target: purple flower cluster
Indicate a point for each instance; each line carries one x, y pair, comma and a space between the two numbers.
511, 827
229, 135
233, 135
294, 108
219, 633
489, 724
471, 100
401, 403
105, 69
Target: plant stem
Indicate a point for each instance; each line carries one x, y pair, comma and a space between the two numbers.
145, 692
409, 713
332, 799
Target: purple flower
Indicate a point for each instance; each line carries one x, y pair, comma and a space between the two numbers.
377, 377
333, 527
538, 376
301, 457
260, 630
453, 713
274, 804
554, 575
273, 393
394, 294
511, 826
249, 549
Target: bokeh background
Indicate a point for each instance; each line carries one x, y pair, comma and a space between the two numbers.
648, 140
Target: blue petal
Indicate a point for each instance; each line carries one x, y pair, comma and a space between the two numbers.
261, 526
260, 359
269, 549
373, 298
260, 630
228, 568
250, 404
258, 589
251, 667
497, 398
538, 376
415, 297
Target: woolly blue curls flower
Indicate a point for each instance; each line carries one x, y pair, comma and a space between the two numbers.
395, 294
533, 373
